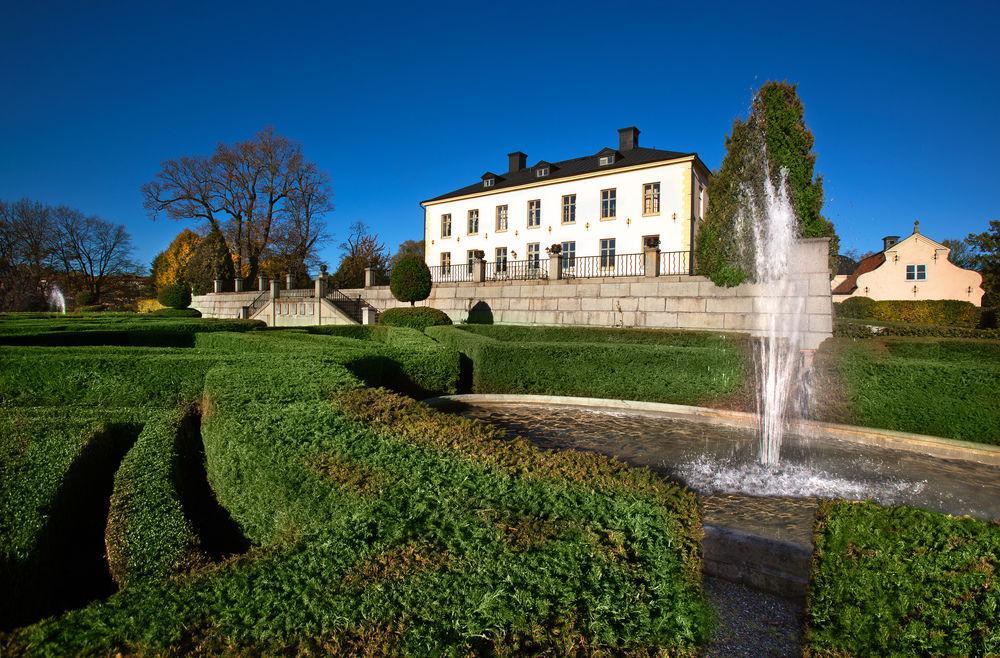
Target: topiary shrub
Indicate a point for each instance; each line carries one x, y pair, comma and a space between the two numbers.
417, 317
175, 295
854, 307
410, 280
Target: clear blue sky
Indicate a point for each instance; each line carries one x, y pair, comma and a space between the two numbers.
400, 103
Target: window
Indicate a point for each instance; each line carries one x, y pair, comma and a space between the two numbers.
569, 209
488, 182
473, 222
501, 259
608, 203
502, 218
446, 225
470, 258
916, 272
568, 255
445, 262
534, 213
542, 172
608, 253
651, 199
607, 159
534, 255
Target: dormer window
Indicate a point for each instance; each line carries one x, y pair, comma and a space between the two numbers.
489, 179
488, 182
541, 172
607, 159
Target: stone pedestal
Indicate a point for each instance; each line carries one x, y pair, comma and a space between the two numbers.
369, 277
319, 286
238, 284
275, 287
478, 270
368, 315
555, 266
651, 262
217, 285
262, 283
289, 281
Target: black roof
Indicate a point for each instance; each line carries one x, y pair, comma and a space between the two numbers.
567, 168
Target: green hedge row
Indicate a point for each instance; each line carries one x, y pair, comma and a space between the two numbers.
148, 536
414, 317
659, 372
568, 334
163, 332
853, 328
944, 312
942, 388
902, 582
56, 466
388, 528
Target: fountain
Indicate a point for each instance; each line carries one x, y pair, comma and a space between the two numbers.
56, 299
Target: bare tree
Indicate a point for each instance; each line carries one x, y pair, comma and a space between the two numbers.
27, 245
361, 249
262, 195
91, 248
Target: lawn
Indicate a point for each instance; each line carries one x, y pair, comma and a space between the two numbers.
273, 492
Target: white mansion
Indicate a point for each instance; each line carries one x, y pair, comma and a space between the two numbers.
600, 209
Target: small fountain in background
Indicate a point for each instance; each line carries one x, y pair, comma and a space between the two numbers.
56, 300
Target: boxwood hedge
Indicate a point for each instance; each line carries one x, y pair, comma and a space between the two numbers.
902, 582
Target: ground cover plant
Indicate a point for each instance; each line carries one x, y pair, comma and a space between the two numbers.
902, 582
659, 366
362, 521
927, 386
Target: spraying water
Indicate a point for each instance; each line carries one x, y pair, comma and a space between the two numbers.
56, 300
766, 219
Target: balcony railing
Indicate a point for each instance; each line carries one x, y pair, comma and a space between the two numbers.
517, 270
580, 267
675, 262
451, 273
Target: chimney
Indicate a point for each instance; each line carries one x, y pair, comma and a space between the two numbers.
516, 161
628, 138
889, 241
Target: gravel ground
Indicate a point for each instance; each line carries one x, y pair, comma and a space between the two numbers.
752, 623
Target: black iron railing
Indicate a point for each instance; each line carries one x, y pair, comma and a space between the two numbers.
451, 273
380, 276
517, 270
675, 262
607, 265
259, 302
351, 306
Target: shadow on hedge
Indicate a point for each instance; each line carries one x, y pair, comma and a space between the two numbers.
382, 371
69, 566
219, 536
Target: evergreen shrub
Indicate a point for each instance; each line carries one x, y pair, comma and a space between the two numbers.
410, 280
175, 295
416, 317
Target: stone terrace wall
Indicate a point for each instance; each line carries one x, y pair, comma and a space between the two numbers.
672, 302
668, 302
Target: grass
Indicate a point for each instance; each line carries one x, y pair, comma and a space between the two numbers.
374, 525
902, 582
659, 366
928, 386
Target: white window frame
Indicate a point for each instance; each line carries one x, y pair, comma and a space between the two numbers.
446, 225
608, 250
488, 182
502, 218
609, 203
445, 262
541, 172
916, 269
533, 255
501, 260
606, 160
650, 199
568, 254
534, 213
569, 209
473, 216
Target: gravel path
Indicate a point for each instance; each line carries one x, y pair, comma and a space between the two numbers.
752, 623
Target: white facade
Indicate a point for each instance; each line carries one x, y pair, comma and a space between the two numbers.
682, 190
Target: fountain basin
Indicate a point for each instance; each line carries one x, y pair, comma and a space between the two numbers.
758, 519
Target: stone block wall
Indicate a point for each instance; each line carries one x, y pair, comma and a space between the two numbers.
668, 302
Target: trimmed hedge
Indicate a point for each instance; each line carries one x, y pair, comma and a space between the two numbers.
410, 279
116, 329
902, 582
388, 528
416, 317
176, 313
656, 371
943, 388
944, 312
853, 328
148, 537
